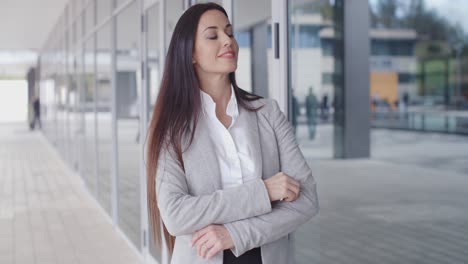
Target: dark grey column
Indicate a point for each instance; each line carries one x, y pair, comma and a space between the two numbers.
352, 125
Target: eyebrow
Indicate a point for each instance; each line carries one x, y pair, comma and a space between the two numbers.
215, 27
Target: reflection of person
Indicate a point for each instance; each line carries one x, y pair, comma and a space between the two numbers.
134, 111
215, 153
295, 112
405, 100
37, 113
404, 105
324, 107
375, 101
311, 111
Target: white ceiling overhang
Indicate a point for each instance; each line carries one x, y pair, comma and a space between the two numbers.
26, 24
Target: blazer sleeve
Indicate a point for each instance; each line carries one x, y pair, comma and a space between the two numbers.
285, 217
184, 214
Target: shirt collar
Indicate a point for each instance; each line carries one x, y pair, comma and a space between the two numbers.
209, 106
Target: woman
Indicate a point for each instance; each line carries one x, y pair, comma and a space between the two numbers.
225, 173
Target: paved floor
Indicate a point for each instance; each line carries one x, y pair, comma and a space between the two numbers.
46, 216
407, 204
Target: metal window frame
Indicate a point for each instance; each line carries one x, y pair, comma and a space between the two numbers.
279, 20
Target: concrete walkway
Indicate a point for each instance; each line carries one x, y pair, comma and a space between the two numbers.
407, 204
46, 215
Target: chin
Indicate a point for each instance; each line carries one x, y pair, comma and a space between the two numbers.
230, 69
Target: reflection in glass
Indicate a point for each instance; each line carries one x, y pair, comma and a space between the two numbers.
253, 33
418, 55
118, 3
174, 10
104, 9
89, 18
89, 117
313, 75
128, 82
62, 128
104, 116
154, 73
153, 80
72, 107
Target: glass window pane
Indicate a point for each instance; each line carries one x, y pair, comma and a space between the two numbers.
314, 63
153, 39
174, 10
104, 9
154, 78
90, 117
89, 17
315, 77
119, 2
417, 61
72, 103
104, 116
253, 32
60, 67
128, 89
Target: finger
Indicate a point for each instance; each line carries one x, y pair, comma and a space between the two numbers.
287, 188
202, 250
298, 193
294, 182
198, 235
291, 196
205, 247
195, 237
294, 189
201, 242
214, 250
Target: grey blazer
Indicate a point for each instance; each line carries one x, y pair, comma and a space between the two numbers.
191, 200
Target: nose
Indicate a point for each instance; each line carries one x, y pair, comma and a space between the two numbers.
227, 41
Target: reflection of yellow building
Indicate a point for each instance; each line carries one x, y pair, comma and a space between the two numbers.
392, 59
393, 64
385, 85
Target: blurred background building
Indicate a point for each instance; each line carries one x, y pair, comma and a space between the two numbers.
377, 92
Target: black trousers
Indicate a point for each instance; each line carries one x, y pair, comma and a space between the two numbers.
252, 256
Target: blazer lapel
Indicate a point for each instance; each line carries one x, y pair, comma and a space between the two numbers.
250, 124
202, 157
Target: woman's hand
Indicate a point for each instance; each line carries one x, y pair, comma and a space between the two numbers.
281, 186
211, 240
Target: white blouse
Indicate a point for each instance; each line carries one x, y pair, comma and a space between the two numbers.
233, 150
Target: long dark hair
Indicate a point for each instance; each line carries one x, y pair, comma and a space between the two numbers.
178, 105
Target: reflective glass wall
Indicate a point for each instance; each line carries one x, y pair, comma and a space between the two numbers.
315, 67
154, 60
128, 96
91, 86
90, 122
104, 115
252, 30
315, 73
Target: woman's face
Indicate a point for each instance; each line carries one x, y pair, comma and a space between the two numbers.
216, 48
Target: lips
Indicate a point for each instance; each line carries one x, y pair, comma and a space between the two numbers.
228, 54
